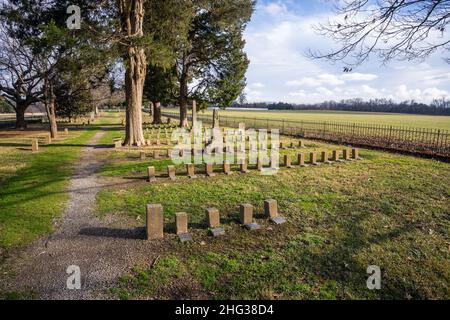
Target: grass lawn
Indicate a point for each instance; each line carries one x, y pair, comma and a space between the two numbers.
32, 186
394, 119
387, 210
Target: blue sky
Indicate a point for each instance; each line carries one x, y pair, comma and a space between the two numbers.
277, 39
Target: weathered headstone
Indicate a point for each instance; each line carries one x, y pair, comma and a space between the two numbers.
48, 138
259, 164
156, 154
301, 160
181, 221
287, 161
335, 156
271, 211
313, 159
345, 155
213, 220
246, 217
325, 158
190, 168
301, 144
209, 168
35, 145
117, 143
171, 172
154, 222
66, 131
355, 154
151, 174
227, 168
142, 155
244, 166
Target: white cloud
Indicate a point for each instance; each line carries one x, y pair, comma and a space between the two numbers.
276, 42
321, 79
257, 85
359, 76
275, 8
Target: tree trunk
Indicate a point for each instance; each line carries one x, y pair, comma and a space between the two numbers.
51, 111
20, 116
132, 18
157, 113
183, 101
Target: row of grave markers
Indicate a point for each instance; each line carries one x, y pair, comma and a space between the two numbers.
301, 161
47, 140
155, 220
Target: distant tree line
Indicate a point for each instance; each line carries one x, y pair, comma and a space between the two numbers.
437, 107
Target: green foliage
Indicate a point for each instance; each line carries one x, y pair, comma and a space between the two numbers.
5, 107
160, 85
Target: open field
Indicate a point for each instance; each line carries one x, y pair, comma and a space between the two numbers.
388, 210
394, 119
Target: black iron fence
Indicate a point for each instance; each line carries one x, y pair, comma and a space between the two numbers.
434, 142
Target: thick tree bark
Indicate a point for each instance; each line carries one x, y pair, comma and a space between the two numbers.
21, 123
51, 111
183, 101
132, 18
156, 113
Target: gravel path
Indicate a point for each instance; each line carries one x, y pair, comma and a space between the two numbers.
102, 248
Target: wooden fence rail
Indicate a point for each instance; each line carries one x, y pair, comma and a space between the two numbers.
434, 142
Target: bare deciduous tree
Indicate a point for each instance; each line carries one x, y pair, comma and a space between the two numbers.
391, 29
20, 82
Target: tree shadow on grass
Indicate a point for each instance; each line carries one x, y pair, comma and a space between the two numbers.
339, 261
137, 233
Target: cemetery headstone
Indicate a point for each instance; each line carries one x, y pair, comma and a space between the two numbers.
190, 168
246, 217
181, 221
287, 161
227, 168
271, 211
171, 172
213, 219
154, 222
151, 174
325, 158
301, 160
209, 168
345, 155
35, 145
355, 154
313, 158
244, 166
